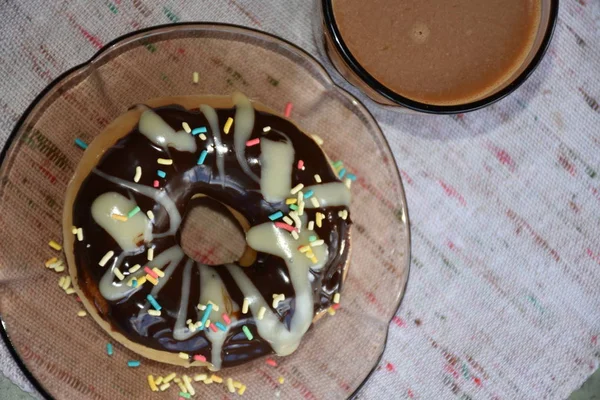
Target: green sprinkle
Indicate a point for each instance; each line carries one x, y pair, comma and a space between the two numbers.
293, 207
185, 395
81, 143
133, 212
247, 332
312, 238
276, 215
337, 164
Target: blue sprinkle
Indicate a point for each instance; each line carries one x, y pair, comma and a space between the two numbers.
81, 143
276, 215
206, 314
312, 238
308, 194
161, 173
134, 283
352, 177
109, 349
133, 363
154, 303
202, 157
197, 131
342, 172
221, 326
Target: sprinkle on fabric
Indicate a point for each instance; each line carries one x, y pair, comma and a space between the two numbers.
348, 183
118, 274
199, 130
336, 298
278, 299
308, 194
276, 216
227, 126
261, 313
106, 257
184, 356
164, 386
152, 384
158, 380
80, 234
229, 380
285, 226
119, 217
301, 165
202, 157
169, 377
154, 313
200, 377
214, 306
185, 395
335, 307
247, 332
186, 127
81, 143
153, 302
337, 164
206, 314
281, 379
195, 77
342, 173
266, 129
221, 326
55, 245
138, 174
331, 311
133, 363
271, 362
252, 142
352, 177
150, 254
297, 188
318, 178
288, 110
81, 313
226, 318
161, 173
155, 184
216, 378
165, 161
245, 305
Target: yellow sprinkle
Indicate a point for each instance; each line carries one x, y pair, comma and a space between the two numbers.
336, 298
119, 217
317, 139
169, 377
227, 126
150, 253
164, 386
208, 381
320, 217
300, 196
237, 384
242, 390
151, 280
138, 174
318, 178
165, 161
70, 291
184, 356
74, 230
348, 183
301, 208
315, 202
181, 386
118, 274
195, 77
61, 281
152, 384
55, 245
154, 313
186, 127
230, 385
199, 377
310, 254
297, 188
158, 380
304, 249
314, 259
291, 200
50, 262
59, 267
295, 235
202, 136
67, 282
81, 313
207, 324
317, 243
158, 272
187, 382
135, 268
245, 305
331, 311
277, 299
281, 380
261, 313
106, 257
215, 307
80, 234
201, 307
141, 280
150, 215
288, 220
216, 378
311, 226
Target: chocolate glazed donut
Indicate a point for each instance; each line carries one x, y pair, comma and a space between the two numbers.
131, 193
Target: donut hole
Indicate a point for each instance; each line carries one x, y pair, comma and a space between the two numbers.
210, 233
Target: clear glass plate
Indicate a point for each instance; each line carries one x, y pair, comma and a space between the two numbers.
64, 355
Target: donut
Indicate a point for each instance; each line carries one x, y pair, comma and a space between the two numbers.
129, 198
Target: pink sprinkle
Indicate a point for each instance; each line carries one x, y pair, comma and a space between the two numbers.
78, 299
285, 226
199, 357
271, 362
253, 142
155, 184
300, 164
150, 272
288, 110
226, 318
213, 327
181, 398
335, 306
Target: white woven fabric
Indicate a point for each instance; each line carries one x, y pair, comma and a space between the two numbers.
503, 298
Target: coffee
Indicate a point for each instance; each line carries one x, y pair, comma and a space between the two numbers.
440, 52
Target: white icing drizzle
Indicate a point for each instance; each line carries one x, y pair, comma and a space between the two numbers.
244, 124
128, 233
220, 150
181, 331
329, 194
276, 159
160, 133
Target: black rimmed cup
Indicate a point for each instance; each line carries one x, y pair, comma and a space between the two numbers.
331, 42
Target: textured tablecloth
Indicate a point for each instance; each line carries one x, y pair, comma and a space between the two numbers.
503, 300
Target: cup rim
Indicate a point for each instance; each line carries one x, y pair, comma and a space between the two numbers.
373, 83
4, 153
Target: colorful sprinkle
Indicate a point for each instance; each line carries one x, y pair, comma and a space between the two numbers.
150, 272
184, 356
261, 313
318, 178
247, 333
195, 77
308, 194
226, 318
252, 142
297, 188
153, 302
317, 243
200, 377
312, 238
109, 349
202, 136
335, 307
155, 184
301, 164
196, 131
293, 207
276, 216
304, 249
118, 274
81, 143
150, 254
202, 157
165, 161
216, 378
342, 173
221, 326
161, 173
80, 234
288, 220
320, 217
331, 311
318, 139
150, 215
133, 212
295, 235
119, 217
169, 377
285, 226
278, 298
291, 200
229, 380
154, 313
227, 126
158, 272
206, 314
185, 395
337, 164
271, 362
311, 225
55, 245
281, 379
164, 386
81, 313
266, 129
348, 183
296, 218
242, 390
106, 257
213, 327
245, 305
336, 298
186, 127
138, 174
352, 177
133, 363
315, 202
288, 110
199, 357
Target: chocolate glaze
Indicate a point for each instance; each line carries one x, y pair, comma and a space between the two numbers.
184, 179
